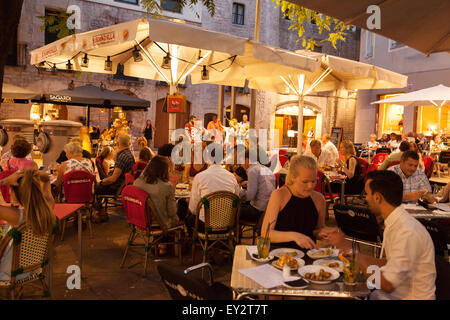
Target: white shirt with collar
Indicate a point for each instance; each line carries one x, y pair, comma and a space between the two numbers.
213, 179
410, 266
326, 158
331, 148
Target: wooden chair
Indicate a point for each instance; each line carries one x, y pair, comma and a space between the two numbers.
221, 213
138, 207
30, 254
442, 161
255, 227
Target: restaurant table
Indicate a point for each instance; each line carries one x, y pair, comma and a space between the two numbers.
337, 178
428, 214
182, 191
62, 211
440, 180
243, 286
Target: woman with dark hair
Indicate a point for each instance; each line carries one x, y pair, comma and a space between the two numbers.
155, 181
19, 150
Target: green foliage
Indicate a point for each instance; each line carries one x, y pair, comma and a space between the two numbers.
301, 16
153, 7
56, 24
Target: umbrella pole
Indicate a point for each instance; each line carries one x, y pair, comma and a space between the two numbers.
88, 116
439, 119
300, 125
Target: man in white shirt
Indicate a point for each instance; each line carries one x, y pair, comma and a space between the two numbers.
323, 157
393, 143
329, 146
408, 272
213, 179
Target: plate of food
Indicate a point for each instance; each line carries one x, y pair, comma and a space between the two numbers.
182, 185
282, 251
330, 263
322, 253
318, 274
293, 262
261, 260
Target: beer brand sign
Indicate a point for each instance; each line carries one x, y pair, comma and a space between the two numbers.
49, 52
104, 38
59, 98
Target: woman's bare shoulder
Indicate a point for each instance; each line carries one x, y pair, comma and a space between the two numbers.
317, 197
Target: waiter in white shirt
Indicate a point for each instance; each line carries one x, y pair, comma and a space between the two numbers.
408, 272
329, 146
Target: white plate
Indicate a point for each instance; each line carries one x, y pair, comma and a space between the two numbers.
262, 260
182, 186
320, 253
326, 262
281, 251
300, 262
316, 269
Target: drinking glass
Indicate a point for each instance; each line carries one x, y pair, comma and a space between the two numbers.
263, 245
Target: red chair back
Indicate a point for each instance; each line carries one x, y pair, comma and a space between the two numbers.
364, 165
393, 163
77, 186
138, 168
428, 163
134, 202
129, 179
282, 152
283, 160
5, 189
379, 158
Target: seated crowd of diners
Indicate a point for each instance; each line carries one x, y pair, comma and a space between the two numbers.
295, 213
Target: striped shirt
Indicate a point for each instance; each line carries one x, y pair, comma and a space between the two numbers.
418, 181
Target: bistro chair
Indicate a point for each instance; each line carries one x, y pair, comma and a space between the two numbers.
254, 226
364, 166
428, 163
323, 186
438, 235
442, 278
112, 200
443, 160
101, 171
393, 163
5, 189
379, 158
78, 187
221, 213
129, 179
186, 285
359, 224
138, 168
139, 208
30, 255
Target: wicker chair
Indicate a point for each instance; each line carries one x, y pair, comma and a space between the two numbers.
30, 253
221, 214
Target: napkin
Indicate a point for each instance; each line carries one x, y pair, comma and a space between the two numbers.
412, 206
252, 250
265, 275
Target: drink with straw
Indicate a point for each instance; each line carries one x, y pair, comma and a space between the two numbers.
263, 245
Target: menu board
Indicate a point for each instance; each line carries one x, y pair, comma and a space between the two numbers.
336, 135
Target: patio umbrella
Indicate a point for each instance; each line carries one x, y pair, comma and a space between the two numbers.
422, 25
334, 73
15, 93
92, 96
438, 95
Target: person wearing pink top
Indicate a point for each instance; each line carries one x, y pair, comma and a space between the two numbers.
19, 150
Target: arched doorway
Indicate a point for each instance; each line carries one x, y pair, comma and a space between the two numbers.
285, 121
161, 123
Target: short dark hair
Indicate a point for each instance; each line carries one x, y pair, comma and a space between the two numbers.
166, 150
410, 154
192, 117
404, 146
388, 184
145, 155
157, 168
20, 148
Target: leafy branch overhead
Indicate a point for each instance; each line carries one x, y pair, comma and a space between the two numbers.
301, 16
154, 6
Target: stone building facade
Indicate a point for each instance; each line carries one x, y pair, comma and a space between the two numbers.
335, 108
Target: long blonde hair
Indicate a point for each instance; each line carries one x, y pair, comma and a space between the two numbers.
38, 213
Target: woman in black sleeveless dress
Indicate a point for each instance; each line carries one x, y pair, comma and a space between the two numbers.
296, 212
354, 183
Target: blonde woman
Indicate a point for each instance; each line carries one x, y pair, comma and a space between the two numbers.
32, 190
350, 166
295, 213
143, 143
